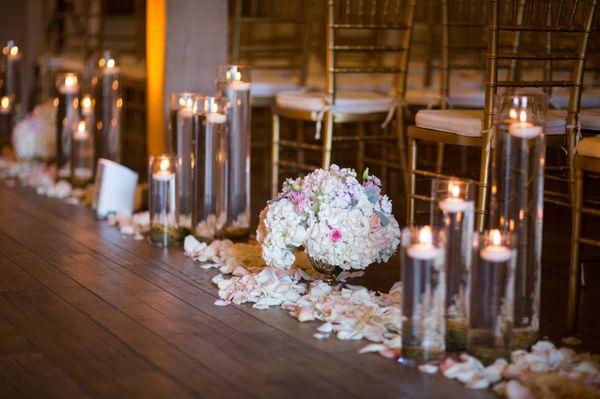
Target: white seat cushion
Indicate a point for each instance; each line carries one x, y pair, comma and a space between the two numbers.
460, 98
350, 102
589, 147
590, 119
590, 98
468, 122
269, 84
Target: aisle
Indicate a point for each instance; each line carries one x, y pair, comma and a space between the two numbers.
85, 310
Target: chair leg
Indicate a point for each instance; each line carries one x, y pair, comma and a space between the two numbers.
575, 266
361, 147
411, 187
484, 178
327, 140
275, 157
439, 158
401, 134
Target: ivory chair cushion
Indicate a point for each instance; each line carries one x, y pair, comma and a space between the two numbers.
590, 119
590, 98
350, 102
460, 98
468, 122
266, 84
589, 147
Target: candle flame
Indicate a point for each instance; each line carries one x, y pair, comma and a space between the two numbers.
213, 107
425, 235
454, 189
513, 114
86, 102
164, 165
5, 102
238, 76
523, 116
110, 63
70, 80
81, 127
496, 237
14, 50
101, 62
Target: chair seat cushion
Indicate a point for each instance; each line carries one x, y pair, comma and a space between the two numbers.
269, 84
351, 102
468, 122
590, 98
589, 147
590, 119
460, 98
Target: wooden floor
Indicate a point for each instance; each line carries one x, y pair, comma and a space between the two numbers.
87, 313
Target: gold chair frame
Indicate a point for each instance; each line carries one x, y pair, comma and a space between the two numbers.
522, 14
583, 165
242, 53
372, 19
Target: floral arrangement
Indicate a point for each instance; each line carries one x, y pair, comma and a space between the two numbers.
334, 217
35, 136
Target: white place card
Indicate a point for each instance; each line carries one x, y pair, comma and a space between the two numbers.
115, 188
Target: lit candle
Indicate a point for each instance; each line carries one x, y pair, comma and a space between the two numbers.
5, 105
237, 84
86, 105
523, 129
453, 203
424, 249
109, 66
81, 133
70, 86
163, 174
187, 107
496, 252
215, 117
13, 53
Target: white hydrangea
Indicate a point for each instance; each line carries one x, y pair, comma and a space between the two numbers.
335, 218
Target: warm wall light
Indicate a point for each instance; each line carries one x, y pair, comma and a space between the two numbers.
155, 61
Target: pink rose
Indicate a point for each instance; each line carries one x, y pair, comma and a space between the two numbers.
336, 235
375, 221
299, 200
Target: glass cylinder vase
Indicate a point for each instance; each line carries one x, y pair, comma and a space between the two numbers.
6, 120
212, 161
183, 129
424, 291
233, 83
82, 155
518, 199
452, 209
11, 85
67, 118
108, 105
162, 201
492, 295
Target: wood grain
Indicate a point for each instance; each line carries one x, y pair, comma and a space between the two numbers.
86, 312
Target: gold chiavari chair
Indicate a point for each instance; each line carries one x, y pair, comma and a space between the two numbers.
510, 22
272, 37
392, 21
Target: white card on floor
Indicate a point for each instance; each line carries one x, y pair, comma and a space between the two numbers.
115, 188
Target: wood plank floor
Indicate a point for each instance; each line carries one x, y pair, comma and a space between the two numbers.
86, 313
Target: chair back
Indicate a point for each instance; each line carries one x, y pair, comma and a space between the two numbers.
463, 25
350, 26
563, 25
271, 35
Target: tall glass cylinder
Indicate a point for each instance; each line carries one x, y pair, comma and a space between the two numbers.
67, 118
183, 128
11, 85
162, 200
87, 115
6, 120
518, 199
452, 209
82, 155
212, 162
424, 293
233, 83
492, 295
107, 95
